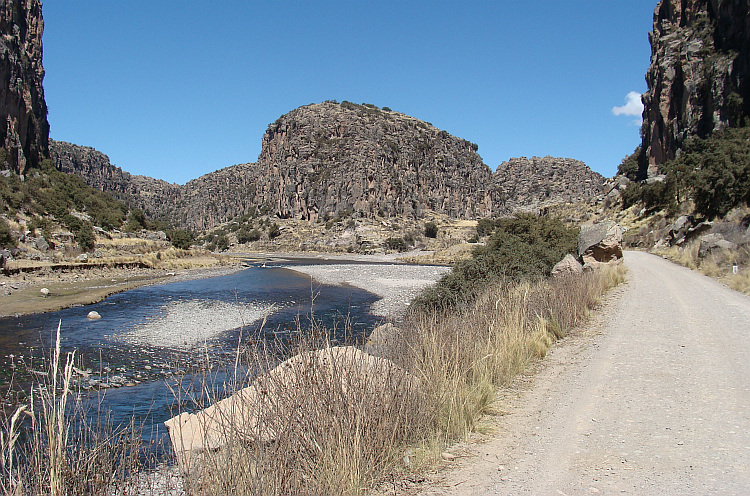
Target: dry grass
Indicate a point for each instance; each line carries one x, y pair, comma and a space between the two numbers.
464, 356
333, 425
52, 446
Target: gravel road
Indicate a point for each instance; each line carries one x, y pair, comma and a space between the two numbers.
652, 399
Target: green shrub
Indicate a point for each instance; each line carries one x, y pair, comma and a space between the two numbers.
245, 235
719, 171
6, 237
485, 227
274, 231
181, 238
136, 220
523, 247
430, 230
629, 165
84, 236
397, 244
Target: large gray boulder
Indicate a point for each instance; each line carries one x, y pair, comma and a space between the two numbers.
712, 242
41, 244
383, 341
600, 243
567, 266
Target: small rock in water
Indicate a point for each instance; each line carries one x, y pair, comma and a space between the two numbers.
93, 315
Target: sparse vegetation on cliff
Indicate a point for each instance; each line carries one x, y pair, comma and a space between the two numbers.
713, 172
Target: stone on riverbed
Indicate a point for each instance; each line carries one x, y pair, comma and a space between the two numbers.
93, 315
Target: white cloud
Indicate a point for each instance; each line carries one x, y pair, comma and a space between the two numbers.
633, 105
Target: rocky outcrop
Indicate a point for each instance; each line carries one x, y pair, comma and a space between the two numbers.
599, 244
532, 184
329, 158
24, 129
334, 160
155, 197
698, 78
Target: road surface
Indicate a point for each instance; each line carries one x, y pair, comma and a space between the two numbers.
654, 399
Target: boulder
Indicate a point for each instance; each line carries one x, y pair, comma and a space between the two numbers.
679, 228
44, 291
383, 340
93, 315
600, 243
279, 401
567, 266
41, 244
684, 229
712, 242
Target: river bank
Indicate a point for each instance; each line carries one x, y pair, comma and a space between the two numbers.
21, 294
386, 275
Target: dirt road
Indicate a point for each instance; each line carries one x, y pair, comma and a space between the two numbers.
654, 400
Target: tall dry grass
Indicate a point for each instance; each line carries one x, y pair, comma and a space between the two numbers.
55, 445
332, 425
464, 356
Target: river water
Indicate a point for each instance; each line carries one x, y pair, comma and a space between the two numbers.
149, 336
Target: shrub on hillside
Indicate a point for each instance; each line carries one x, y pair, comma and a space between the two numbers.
6, 237
430, 230
719, 171
181, 238
84, 236
246, 235
521, 248
714, 172
396, 244
274, 231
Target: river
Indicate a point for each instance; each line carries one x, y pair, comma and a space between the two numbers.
150, 336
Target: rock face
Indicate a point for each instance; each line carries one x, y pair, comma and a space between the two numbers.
24, 129
532, 184
327, 160
698, 77
155, 197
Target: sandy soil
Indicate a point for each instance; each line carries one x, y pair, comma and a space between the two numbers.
651, 399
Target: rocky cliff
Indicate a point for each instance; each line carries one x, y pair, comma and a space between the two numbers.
330, 160
155, 197
24, 129
538, 182
698, 77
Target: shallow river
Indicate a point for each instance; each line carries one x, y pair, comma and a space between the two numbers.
150, 335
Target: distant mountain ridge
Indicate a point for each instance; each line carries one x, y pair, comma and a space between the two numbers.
329, 159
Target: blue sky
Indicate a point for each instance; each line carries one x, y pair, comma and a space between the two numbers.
178, 88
